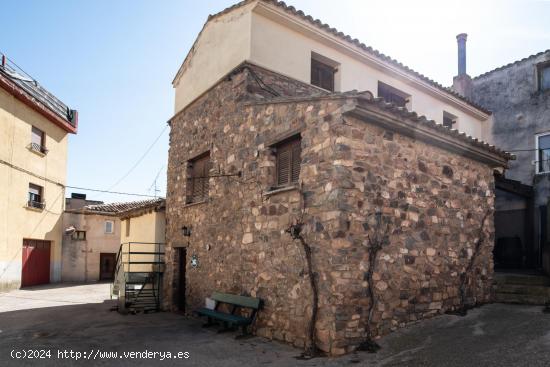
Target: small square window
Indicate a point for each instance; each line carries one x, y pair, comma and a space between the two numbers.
79, 235
543, 71
288, 160
543, 153
35, 199
109, 226
449, 120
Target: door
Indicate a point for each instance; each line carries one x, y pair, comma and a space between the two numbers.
36, 262
107, 266
182, 260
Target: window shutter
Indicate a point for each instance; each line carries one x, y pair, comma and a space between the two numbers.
296, 160
283, 165
197, 184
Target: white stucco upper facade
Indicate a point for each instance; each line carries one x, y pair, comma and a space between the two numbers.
271, 37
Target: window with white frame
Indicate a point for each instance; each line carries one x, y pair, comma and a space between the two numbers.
543, 153
109, 226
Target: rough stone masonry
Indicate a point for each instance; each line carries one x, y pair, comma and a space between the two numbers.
359, 156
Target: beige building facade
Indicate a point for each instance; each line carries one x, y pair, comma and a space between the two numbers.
34, 129
91, 242
280, 39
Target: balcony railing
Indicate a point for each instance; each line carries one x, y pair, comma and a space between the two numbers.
36, 204
38, 148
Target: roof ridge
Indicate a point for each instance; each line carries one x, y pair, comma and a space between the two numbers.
510, 64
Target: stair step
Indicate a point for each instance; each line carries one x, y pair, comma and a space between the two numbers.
534, 290
522, 279
524, 299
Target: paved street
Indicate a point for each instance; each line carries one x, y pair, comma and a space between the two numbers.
77, 318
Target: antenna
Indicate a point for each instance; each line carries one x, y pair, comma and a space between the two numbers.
153, 186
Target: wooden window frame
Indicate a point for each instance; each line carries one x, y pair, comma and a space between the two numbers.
318, 67
292, 145
198, 171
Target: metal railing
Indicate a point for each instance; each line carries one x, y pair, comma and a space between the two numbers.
139, 266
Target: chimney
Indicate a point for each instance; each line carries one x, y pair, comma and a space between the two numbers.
462, 83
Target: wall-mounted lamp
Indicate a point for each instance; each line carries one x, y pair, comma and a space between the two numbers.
186, 231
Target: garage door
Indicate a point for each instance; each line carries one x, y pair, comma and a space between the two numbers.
36, 263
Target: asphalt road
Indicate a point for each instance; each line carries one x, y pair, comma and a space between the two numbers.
49, 323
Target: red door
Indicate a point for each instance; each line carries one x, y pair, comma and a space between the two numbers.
36, 263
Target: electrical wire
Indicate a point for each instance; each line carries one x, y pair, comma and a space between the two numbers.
139, 160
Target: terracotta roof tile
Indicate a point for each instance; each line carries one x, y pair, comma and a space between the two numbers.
121, 208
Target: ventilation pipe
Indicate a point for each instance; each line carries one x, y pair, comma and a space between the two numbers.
462, 83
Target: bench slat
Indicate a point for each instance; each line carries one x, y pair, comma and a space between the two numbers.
236, 300
234, 319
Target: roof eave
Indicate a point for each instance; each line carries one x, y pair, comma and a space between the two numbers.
427, 134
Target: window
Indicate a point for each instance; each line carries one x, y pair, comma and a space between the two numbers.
198, 170
449, 119
35, 197
543, 73
322, 73
79, 235
543, 153
109, 224
128, 227
288, 161
393, 95
38, 140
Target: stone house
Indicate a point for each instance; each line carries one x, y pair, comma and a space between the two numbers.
259, 150
34, 133
519, 96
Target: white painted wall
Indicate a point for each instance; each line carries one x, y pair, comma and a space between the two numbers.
269, 37
223, 44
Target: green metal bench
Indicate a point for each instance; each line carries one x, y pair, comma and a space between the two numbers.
231, 319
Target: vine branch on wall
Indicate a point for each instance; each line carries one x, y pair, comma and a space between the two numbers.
463, 307
375, 243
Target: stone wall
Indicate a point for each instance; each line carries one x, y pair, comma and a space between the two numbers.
433, 201
432, 204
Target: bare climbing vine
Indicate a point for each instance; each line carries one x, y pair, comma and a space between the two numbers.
463, 307
375, 243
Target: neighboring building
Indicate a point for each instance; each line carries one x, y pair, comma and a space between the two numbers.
95, 231
283, 40
34, 128
256, 146
91, 240
144, 221
519, 96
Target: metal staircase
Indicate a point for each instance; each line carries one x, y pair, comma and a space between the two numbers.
138, 277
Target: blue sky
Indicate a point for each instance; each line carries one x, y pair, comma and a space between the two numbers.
114, 61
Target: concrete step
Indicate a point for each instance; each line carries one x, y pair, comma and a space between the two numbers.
522, 279
523, 299
532, 290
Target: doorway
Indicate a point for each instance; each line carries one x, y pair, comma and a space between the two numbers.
36, 262
182, 260
107, 262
